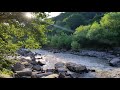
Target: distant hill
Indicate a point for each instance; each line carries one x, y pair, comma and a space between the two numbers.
72, 20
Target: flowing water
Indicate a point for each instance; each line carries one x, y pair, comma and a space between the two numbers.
51, 58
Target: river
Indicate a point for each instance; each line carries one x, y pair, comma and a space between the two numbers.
101, 66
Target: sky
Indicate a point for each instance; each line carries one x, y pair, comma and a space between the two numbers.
53, 14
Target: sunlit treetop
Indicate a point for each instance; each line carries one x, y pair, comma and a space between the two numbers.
21, 16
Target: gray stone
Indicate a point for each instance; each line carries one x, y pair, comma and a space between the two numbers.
115, 62
41, 63
34, 63
25, 52
75, 75
18, 66
24, 72
62, 75
59, 65
37, 67
28, 66
61, 70
76, 67
98, 54
50, 70
41, 75
34, 74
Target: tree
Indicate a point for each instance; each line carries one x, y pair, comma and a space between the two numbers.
75, 19
111, 24
80, 35
18, 31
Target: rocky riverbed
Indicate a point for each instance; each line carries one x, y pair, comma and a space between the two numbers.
47, 64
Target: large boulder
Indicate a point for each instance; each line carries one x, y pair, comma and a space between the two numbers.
28, 65
37, 67
24, 72
34, 63
78, 68
115, 62
18, 67
59, 65
41, 75
61, 70
25, 52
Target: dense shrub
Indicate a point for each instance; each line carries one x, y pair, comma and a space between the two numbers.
6, 72
75, 46
62, 41
80, 35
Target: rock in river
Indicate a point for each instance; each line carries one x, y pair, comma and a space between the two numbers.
78, 68
59, 65
24, 72
37, 67
41, 63
41, 75
25, 52
115, 62
18, 66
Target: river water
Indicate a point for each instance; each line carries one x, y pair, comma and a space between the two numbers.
101, 66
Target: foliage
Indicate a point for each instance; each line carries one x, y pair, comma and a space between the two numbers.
62, 41
74, 19
6, 72
75, 46
80, 35
104, 34
17, 31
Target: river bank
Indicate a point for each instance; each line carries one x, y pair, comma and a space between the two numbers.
100, 67
102, 54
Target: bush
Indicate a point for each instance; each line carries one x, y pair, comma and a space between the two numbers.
62, 41
53, 42
75, 46
6, 72
80, 35
5, 65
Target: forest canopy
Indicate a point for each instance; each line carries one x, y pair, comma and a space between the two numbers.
90, 29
